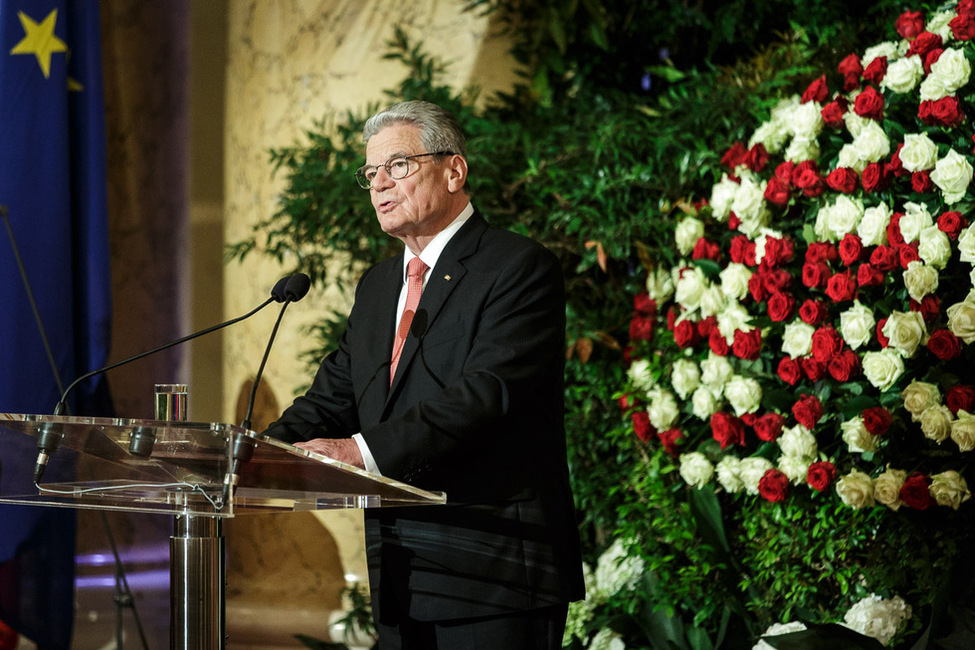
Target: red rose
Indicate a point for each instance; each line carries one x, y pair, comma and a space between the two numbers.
780, 306
734, 156
931, 57
841, 287
930, 307
718, 344
776, 192
733, 221
644, 305
813, 312
826, 342
769, 426
642, 427
789, 371
669, 439
756, 158
895, 166
909, 24
962, 27
850, 249
941, 112
869, 276
944, 344
851, 69
842, 179
843, 365
641, 328
812, 369
727, 429
705, 326
894, 236
876, 420
807, 411
815, 275
672, 315
951, 224
875, 72
783, 172
756, 286
820, 251
820, 475
773, 486
883, 340
706, 250
685, 334
907, 253
921, 181
869, 104
816, 92
960, 397
747, 345
924, 43
874, 177
884, 258
809, 181
742, 250
915, 492
775, 280
833, 113
777, 252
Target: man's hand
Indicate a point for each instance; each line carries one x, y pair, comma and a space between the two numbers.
344, 450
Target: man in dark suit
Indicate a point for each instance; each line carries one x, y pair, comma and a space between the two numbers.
449, 377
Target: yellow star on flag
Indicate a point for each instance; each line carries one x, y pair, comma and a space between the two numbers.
40, 40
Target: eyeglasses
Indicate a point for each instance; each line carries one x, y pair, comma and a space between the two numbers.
397, 167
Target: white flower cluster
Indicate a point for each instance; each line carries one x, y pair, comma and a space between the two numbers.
858, 490
873, 616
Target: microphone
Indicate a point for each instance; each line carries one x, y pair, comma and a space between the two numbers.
418, 328
294, 290
47, 442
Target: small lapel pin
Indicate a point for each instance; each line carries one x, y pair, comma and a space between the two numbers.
447, 278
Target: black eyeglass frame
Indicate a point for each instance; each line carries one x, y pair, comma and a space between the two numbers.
366, 183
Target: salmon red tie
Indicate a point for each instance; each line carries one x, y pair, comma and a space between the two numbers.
414, 287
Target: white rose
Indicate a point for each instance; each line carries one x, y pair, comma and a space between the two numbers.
934, 247
797, 339
854, 123
744, 394
856, 436
713, 301
906, 331
843, 217
795, 468
919, 151
690, 288
952, 174
877, 618
857, 325
848, 157
903, 74
722, 196
950, 489
734, 317
715, 372
798, 441
729, 474
695, 469
963, 430
920, 279
952, 70
801, 148
932, 89
704, 404
919, 395
873, 226
966, 245
887, 49
915, 219
641, 375
772, 134
961, 319
688, 231
749, 201
660, 285
855, 489
940, 24
685, 376
734, 280
807, 119
751, 470
883, 368
887, 488
663, 409
872, 144
936, 422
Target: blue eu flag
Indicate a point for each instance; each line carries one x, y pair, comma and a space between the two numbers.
52, 184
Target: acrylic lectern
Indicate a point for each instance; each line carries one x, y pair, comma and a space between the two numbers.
198, 473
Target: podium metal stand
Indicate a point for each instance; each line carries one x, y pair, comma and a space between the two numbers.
181, 469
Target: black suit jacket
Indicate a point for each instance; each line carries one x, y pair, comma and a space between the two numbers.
477, 413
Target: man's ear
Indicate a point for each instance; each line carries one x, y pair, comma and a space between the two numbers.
456, 173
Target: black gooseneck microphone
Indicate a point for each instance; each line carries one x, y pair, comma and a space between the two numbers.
243, 449
48, 441
418, 328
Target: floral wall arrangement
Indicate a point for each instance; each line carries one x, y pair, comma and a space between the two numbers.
811, 345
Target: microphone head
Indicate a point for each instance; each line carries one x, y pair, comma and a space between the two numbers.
297, 287
279, 287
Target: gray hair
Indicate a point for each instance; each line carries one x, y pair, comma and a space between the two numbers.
439, 129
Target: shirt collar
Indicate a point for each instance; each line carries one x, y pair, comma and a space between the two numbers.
431, 252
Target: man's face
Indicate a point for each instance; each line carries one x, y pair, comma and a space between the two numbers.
415, 206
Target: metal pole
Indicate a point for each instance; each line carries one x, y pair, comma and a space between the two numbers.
197, 587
